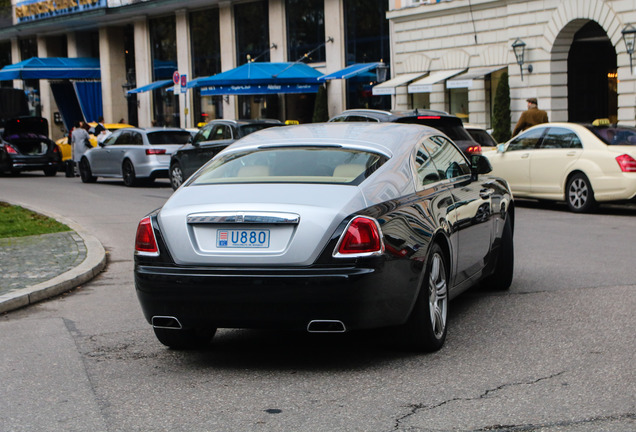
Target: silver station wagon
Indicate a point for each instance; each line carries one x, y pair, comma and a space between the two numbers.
133, 154
325, 228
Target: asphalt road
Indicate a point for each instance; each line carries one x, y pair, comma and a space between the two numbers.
555, 353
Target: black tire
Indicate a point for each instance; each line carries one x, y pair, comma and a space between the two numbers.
426, 328
579, 194
184, 338
85, 172
176, 175
128, 173
50, 171
501, 278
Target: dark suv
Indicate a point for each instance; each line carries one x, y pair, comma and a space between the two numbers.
211, 139
450, 125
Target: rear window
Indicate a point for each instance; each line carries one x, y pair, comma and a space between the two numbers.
622, 135
249, 128
169, 137
302, 164
451, 127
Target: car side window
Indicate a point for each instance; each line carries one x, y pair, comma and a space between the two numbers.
450, 162
358, 118
136, 138
123, 139
559, 138
527, 141
220, 132
203, 134
426, 170
112, 139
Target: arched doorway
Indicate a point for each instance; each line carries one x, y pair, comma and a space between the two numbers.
592, 82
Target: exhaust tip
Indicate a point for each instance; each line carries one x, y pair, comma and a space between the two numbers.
326, 326
166, 322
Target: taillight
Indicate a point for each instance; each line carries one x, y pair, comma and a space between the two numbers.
145, 242
362, 237
9, 149
474, 149
428, 117
155, 151
626, 162
56, 149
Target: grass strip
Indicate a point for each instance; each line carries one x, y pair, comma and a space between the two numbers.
16, 221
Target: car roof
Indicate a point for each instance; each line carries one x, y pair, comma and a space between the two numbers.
153, 129
243, 121
388, 116
384, 138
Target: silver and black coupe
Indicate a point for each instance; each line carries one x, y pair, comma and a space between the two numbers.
325, 228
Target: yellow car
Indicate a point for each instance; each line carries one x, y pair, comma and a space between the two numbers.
65, 146
580, 164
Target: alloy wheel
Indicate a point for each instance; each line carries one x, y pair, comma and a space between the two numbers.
578, 193
176, 176
438, 296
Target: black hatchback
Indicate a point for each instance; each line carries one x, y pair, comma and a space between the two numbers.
211, 139
449, 124
25, 146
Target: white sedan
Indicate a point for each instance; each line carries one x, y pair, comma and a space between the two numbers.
579, 164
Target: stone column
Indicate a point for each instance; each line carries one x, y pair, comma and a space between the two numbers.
112, 61
335, 55
47, 102
143, 71
184, 60
228, 53
16, 58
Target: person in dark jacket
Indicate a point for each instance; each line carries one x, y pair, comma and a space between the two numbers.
533, 116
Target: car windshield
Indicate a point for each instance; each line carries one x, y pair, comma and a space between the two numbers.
302, 164
169, 137
249, 128
617, 135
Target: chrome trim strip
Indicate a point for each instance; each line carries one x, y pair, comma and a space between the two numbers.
243, 217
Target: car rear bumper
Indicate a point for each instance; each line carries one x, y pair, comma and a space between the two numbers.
278, 298
30, 163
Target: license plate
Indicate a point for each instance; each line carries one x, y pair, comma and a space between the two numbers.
242, 238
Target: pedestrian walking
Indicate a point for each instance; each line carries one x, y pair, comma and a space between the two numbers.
80, 142
532, 116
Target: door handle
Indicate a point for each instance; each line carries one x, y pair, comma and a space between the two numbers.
572, 153
525, 156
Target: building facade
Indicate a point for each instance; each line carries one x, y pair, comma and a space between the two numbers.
140, 45
450, 55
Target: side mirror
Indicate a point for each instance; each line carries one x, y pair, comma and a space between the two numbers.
501, 148
480, 165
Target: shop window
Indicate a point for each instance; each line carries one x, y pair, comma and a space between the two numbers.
305, 30
252, 32
366, 40
206, 61
458, 103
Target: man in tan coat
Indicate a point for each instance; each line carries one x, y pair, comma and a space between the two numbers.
533, 116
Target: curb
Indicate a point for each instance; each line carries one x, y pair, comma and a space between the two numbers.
92, 265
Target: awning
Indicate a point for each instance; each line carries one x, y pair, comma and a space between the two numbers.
349, 71
425, 85
151, 86
260, 78
52, 68
465, 80
388, 87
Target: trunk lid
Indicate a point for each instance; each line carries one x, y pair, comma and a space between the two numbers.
255, 224
24, 126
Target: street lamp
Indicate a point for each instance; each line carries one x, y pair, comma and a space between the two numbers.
380, 72
519, 48
629, 37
